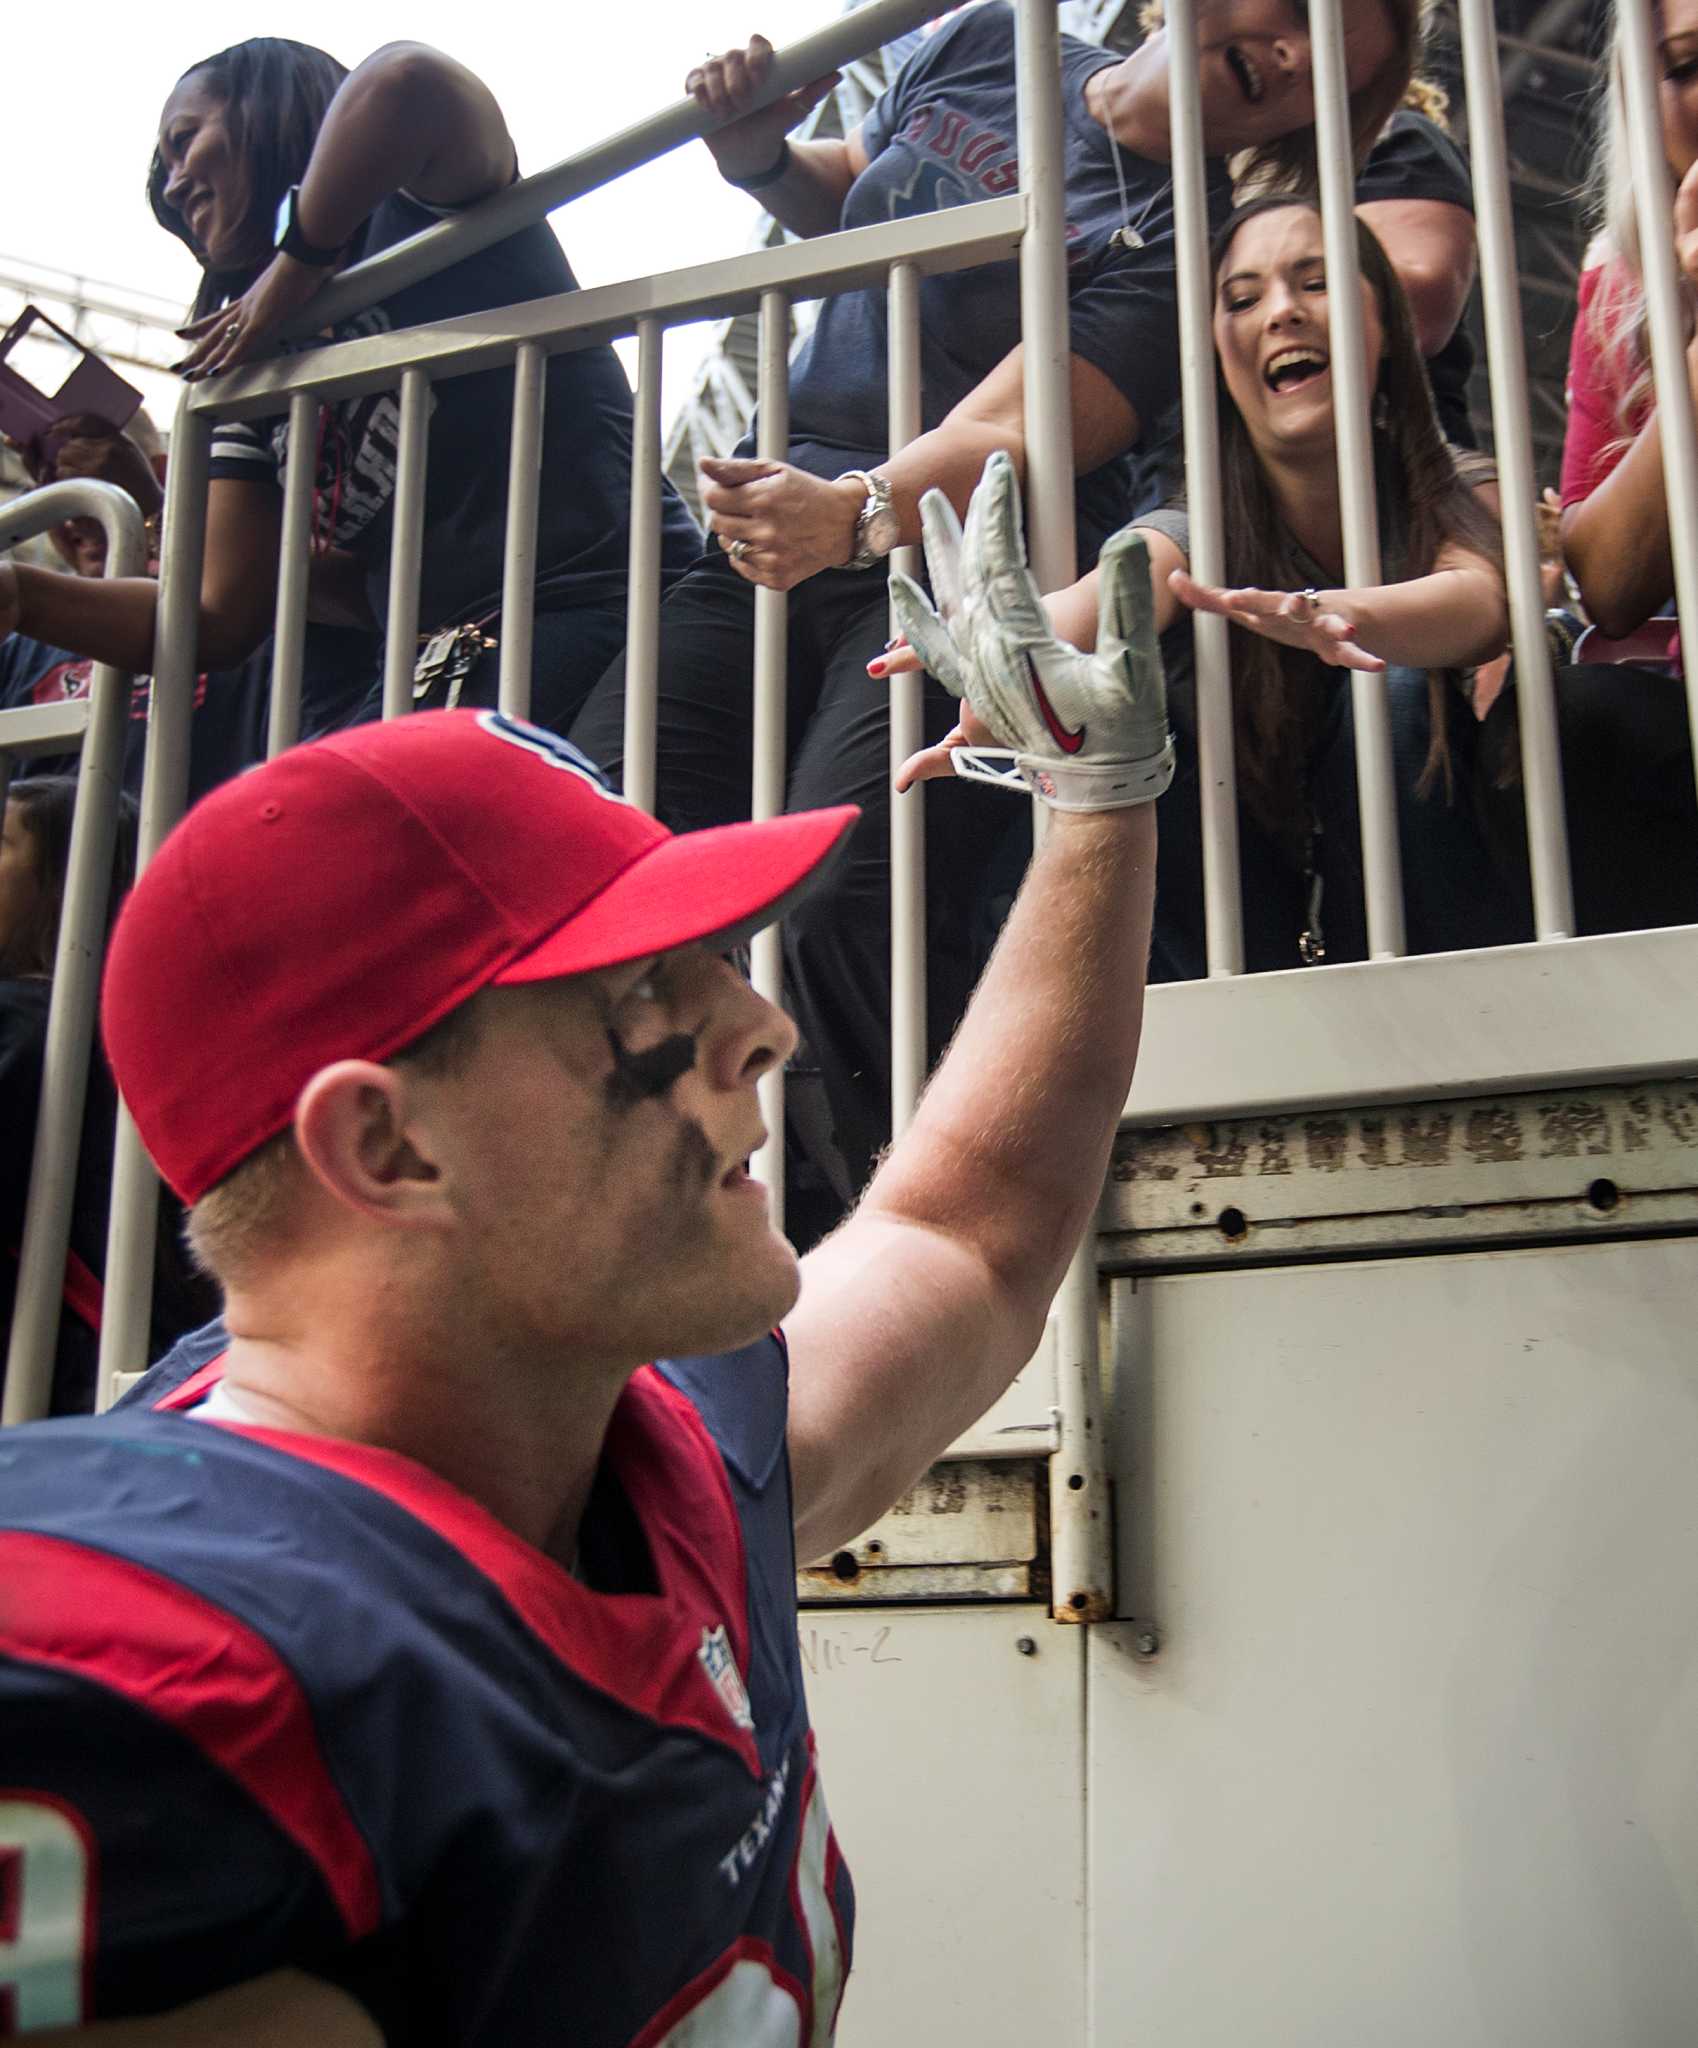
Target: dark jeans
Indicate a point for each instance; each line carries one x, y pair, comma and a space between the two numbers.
837, 942
569, 652
1453, 896
1628, 795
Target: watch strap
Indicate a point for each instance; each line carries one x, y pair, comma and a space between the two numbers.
291, 241
864, 554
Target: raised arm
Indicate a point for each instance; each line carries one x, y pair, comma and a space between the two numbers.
918, 1312
801, 184
408, 119
1430, 244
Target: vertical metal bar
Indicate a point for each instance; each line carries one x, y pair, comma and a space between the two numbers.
907, 736
1666, 328
1223, 908
71, 1011
294, 563
642, 631
519, 570
401, 647
1547, 827
1079, 1509
165, 782
1050, 542
1375, 781
771, 738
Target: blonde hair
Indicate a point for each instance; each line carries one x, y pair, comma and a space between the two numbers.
1287, 164
1617, 318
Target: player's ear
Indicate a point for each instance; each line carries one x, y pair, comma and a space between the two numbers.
355, 1132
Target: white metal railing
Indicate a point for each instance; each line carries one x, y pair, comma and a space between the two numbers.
1228, 1045
94, 729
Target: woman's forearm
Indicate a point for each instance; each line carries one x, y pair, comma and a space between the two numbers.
1453, 618
111, 618
1616, 541
808, 198
101, 618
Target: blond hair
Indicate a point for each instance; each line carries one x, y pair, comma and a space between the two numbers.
1616, 318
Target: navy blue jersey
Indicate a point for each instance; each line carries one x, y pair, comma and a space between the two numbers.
944, 135
271, 1699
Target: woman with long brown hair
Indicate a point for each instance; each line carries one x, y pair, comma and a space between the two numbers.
1297, 629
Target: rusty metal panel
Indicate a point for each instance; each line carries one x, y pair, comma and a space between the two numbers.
972, 1529
1559, 1166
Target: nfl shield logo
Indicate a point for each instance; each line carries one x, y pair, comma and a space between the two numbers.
727, 1680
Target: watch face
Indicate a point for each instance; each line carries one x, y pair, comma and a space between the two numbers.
285, 218
881, 530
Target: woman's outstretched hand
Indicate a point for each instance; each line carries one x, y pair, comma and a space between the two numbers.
724, 86
1289, 616
899, 659
779, 524
239, 332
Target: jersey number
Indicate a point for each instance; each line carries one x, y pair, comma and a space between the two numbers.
748, 2001
45, 1896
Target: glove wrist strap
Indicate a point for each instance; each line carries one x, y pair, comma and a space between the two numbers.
1068, 785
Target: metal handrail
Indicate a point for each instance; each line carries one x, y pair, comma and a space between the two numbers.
81, 947
532, 199
852, 260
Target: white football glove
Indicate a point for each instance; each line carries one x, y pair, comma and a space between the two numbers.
1086, 732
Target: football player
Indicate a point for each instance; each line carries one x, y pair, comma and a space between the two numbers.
416, 1660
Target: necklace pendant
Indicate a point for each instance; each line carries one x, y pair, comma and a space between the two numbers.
1127, 238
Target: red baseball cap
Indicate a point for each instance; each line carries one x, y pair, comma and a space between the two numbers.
335, 903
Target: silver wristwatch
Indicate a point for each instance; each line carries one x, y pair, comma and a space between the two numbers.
877, 528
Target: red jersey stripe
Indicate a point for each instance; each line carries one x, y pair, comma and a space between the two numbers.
212, 1678
195, 1388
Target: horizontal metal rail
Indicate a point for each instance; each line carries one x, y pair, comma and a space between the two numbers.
853, 261
81, 946
433, 249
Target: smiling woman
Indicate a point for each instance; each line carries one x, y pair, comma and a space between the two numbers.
1295, 631
276, 166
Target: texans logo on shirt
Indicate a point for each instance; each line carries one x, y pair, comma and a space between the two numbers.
721, 1668
67, 682
951, 159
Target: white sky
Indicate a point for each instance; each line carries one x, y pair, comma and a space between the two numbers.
86, 90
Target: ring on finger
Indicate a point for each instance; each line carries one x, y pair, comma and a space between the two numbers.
1311, 601
739, 551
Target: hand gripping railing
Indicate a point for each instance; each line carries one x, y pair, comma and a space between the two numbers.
96, 729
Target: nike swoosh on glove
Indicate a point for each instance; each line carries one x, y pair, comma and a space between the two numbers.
1086, 732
